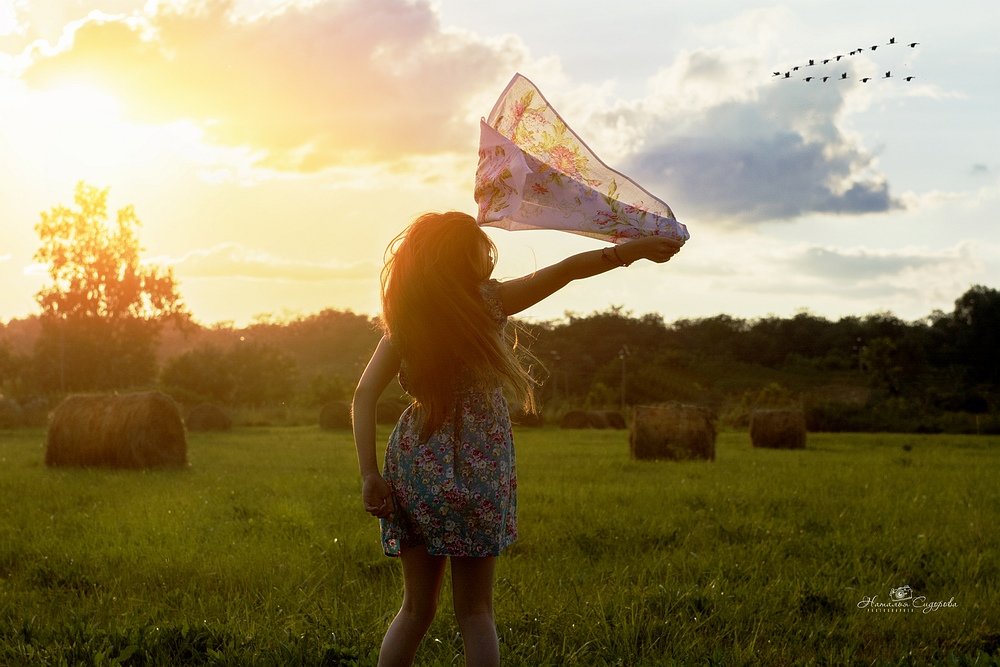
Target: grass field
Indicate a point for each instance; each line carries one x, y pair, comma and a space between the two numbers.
259, 553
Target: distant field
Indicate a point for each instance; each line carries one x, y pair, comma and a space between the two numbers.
260, 554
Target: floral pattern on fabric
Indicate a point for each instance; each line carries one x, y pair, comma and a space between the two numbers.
456, 492
536, 173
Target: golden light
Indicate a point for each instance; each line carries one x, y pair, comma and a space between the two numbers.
75, 131
74, 122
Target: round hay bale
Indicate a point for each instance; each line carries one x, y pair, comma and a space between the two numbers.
11, 414
575, 419
142, 430
597, 419
778, 429
614, 419
208, 417
672, 431
335, 415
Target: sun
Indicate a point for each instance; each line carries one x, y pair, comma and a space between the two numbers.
73, 127
75, 117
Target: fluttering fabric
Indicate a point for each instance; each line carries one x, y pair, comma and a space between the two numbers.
536, 173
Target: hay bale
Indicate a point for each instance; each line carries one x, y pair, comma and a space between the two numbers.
672, 431
335, 415
141, 430
11, 414
614, 419
575, 419
597, 419
208, 417
778, 429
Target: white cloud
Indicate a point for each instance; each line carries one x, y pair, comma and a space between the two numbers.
10, 23
769, 150
860, 265
232, 260
308, 85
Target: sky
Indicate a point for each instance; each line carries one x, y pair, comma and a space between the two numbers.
273, 148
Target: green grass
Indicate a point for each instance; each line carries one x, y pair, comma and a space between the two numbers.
260, 553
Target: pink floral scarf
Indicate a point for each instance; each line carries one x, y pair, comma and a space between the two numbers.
536, 173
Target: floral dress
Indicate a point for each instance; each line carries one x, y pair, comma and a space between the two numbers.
456, 491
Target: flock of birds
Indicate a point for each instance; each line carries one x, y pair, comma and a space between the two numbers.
815, 62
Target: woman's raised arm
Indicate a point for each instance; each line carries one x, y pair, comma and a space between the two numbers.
521, 293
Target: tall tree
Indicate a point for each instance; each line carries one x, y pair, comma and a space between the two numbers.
977, 323
102, 307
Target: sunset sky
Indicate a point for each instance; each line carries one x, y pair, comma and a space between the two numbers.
272, 148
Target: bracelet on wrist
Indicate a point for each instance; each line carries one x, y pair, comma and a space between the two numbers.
606, 256
621, 262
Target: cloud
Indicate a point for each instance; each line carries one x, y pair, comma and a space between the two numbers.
866, 265
723, 142
232, 260
9, 22
310, 85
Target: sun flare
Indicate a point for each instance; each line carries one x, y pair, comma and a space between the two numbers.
74, 120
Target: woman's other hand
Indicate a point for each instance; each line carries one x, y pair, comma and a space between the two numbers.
377, 496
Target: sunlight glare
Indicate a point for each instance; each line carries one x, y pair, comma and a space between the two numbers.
74, 128
8, 18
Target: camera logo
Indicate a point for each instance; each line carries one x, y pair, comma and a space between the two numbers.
901, 594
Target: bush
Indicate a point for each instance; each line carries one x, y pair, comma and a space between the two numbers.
11, 414
837, 417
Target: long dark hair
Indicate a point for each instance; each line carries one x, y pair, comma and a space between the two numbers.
436, 317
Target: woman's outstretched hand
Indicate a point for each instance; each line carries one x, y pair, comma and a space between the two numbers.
657, 249
377, 496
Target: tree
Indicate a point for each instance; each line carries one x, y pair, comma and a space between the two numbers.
262, 374
201, 374
102, 307
976, 321
8, 369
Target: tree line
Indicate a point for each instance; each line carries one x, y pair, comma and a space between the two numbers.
110, 322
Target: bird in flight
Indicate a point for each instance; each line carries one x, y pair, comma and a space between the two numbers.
816, 62
910, 78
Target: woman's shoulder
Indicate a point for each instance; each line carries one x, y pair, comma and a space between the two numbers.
490, 291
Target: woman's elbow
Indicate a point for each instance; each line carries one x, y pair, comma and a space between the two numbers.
364, 397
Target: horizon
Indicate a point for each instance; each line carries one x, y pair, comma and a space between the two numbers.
266, 319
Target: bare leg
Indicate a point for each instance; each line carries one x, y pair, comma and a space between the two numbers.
422, 577
472, 588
